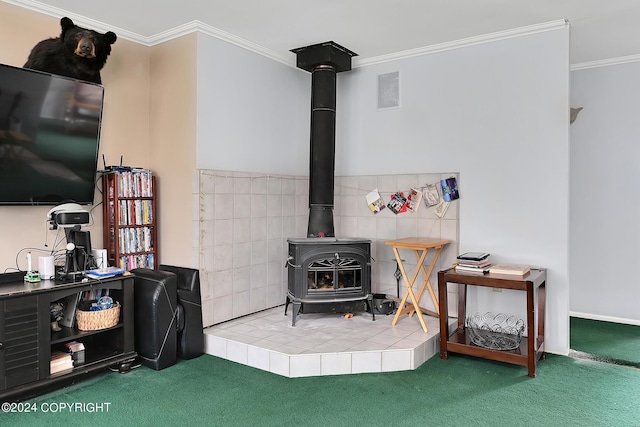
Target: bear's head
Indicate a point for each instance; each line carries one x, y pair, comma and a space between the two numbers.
85, 44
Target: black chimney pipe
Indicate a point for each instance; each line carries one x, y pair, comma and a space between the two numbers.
324, 61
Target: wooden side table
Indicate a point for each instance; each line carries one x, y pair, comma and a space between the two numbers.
531, 349
420, 247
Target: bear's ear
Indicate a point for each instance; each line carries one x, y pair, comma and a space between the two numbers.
110, 37
66, 23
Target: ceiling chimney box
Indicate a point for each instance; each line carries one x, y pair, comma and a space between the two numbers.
327, 53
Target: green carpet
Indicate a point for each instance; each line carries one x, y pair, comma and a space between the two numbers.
606, 339
460, 391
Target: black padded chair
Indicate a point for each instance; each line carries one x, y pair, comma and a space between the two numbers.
155, 317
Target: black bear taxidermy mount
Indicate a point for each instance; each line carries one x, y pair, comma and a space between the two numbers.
78, 53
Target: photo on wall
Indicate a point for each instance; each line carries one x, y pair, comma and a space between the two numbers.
449, 189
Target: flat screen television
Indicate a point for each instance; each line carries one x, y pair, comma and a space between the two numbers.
49, 138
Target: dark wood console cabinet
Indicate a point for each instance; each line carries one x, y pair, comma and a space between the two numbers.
27, 341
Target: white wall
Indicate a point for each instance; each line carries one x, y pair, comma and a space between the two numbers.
497, 113
253, 112
605, 182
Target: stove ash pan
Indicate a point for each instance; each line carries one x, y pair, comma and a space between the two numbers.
328, 270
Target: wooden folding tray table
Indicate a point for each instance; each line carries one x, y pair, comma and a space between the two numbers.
420, 247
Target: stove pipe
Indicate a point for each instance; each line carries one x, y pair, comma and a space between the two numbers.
324, 61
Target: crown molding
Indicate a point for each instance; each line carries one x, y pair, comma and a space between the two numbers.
606, 62
80, 20
469, 41
200, 27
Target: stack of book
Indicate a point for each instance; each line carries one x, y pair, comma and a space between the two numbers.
473, 262
60, 362
511, 269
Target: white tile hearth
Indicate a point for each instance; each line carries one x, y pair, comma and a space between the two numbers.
324, 343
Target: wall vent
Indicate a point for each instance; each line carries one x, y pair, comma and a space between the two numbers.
389, 90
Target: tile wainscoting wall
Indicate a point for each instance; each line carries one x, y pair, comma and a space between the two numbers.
242, 222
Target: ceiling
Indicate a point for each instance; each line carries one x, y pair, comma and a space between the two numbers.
601, 30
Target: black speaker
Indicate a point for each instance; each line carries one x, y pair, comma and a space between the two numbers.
190, 335
168, 315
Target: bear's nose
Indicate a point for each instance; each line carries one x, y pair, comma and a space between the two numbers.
85, 47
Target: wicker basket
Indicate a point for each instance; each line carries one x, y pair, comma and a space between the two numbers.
101, 319
499, 332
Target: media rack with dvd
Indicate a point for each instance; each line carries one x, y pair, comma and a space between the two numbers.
130, 218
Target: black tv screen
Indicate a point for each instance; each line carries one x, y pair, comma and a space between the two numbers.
49, 138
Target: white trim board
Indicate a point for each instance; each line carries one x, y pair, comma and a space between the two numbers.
605, 62
604, 318
469, 41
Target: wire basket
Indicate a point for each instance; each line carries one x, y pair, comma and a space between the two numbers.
496, 332
96, 320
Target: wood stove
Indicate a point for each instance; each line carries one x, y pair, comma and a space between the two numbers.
323, 269
329, 271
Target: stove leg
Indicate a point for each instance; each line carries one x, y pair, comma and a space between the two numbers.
296, 310
286, 304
